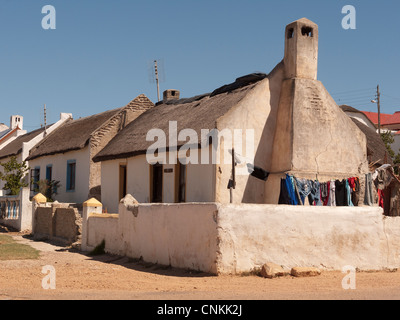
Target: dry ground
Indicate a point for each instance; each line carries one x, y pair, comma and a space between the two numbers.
80, 277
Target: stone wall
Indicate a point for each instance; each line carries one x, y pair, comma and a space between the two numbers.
58, 222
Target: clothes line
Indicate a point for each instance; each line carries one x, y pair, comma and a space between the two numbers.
345, 192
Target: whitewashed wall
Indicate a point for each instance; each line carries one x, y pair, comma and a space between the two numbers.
200, 182
59, 163
183, 235
229, 239
323, 237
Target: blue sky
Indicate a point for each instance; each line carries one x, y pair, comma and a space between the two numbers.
99, 57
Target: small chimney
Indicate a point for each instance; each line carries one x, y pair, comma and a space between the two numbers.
171, 94
16, 121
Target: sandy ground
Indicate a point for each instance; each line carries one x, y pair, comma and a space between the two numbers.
80, 277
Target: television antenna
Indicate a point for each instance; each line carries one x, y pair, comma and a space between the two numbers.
156, 74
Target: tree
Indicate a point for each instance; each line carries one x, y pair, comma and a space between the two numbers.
13, 175
48, 188
388, 139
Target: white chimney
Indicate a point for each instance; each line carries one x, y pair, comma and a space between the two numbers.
16, 121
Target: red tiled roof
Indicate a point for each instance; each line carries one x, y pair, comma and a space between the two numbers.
373, 116
394, 119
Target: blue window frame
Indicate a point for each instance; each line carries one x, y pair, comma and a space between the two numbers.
49, 172
71, 175
35, 177
49, 178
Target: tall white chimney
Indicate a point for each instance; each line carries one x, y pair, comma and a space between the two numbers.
16, 121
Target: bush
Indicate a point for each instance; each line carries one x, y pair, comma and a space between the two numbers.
99, 250
14, 174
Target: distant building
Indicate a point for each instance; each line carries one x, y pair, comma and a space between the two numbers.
8, 134
359, 115
66, 154
389, 122
21, 145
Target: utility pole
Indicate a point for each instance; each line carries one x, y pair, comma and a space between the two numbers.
378, 95
45, 120
157, 80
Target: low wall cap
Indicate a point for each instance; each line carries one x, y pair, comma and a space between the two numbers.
39, 198
92, 203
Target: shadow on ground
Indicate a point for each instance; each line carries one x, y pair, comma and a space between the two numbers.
137, 264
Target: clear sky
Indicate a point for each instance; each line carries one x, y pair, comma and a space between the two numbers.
100, 55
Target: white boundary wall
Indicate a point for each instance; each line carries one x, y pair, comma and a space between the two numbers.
23, 221
223, 239
324, 237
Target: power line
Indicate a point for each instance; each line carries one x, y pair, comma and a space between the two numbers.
390, 97
352, 95
353, 91
353, 101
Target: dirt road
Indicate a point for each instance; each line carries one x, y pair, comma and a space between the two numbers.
79, 277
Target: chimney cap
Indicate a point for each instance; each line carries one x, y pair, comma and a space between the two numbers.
171, 94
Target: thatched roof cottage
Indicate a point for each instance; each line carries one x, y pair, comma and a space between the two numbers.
66, 154
285, 121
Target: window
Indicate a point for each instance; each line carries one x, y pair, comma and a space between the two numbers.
35, 177
156, 176
122, 181
49, 173
71, 175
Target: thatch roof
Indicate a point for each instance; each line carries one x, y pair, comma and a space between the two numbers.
73, 135
14, 148
348, 109
200, 112
377, 151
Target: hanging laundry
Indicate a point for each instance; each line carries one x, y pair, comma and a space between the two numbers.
288, 194
295, 191
298, 197
382, 177
381, 199
315, 195
324, 191
304, 188
340, 193
356, 192
348, 193
369, 198
284, 197
332, 194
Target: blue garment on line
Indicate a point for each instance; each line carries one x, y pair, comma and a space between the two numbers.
348, 192
291, 190
315, 195
304, 187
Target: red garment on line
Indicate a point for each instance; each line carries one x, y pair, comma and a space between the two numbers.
381, 199
352, 183
327, 198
